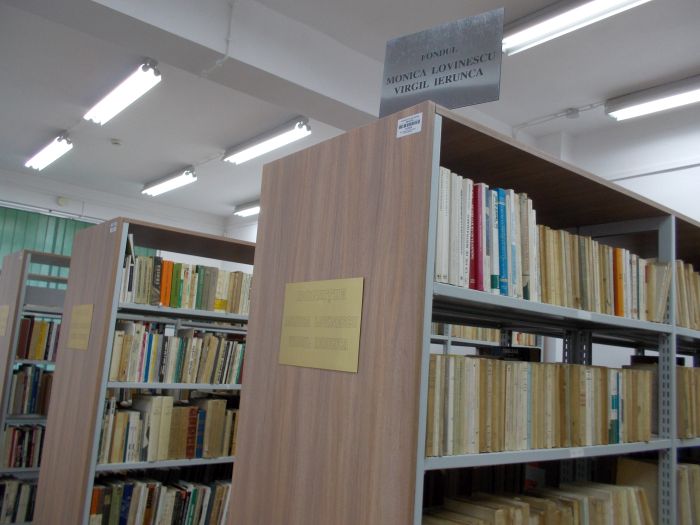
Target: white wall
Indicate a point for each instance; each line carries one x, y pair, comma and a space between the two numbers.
37, 191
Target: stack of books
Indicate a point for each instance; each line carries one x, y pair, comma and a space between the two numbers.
132, 500
22, 446
30, 391
489, 405
159, 282
488, 240
38, 339
141, 352
154, 429
17, 501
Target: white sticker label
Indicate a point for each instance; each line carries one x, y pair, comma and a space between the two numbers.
583, 314
113, 227
409, 125
577, 453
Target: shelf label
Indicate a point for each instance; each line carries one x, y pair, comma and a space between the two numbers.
577, 453
4, 316
409, 125
79, 329
455, 64
321, 324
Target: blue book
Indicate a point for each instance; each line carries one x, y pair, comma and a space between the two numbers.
199, 444
146, 365
126, 503
502, 242
35, 377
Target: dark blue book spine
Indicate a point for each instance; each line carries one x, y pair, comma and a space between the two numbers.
126, 503
199, 444
147, 364
502, 242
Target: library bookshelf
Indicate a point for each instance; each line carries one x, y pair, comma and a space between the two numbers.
32, 291
79, 392
345, 448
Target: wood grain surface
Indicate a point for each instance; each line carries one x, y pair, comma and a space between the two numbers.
11, 282
324, 447
76, 385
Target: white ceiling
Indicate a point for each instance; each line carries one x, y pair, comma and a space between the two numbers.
52, 71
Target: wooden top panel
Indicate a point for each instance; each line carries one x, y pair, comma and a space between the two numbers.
75, 392
160, 237
324, 447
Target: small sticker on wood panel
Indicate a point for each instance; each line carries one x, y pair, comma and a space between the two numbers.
80, 326
409, 125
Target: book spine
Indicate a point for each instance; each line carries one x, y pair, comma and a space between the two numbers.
502, 243
476, 268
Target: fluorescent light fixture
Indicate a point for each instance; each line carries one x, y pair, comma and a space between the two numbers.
559, 19
138, 83
652, 100
247, 210
57, 148
170, 183
293, 130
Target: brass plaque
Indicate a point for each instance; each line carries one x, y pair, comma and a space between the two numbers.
4, 317
321, 324
80, 324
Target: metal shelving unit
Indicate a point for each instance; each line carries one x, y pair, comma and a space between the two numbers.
579, 329
27, 297
83, 376
172, 386
550, 454
170, 463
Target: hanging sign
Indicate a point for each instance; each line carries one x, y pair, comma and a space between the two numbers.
455, 64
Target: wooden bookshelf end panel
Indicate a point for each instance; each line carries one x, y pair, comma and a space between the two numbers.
11, 283
319, 446
76, 387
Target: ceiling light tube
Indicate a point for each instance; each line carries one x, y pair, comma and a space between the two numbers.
138, 83
54, 150
170, 183
653, 100
559, 19
247, 210
293, 130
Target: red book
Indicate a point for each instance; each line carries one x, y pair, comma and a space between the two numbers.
25, 330
476, 251
191, 432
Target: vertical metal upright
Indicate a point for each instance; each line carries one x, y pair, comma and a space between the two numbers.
427, 323
667, 383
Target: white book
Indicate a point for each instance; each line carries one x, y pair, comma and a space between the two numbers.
642, 289
511, 241
117, 344
471, 387
534, 254
224, 512
456, 229
517, 243
443, 227
524, 406
439, 403
590, 407
449, 445
634, 284
627, 282
466, 240
205, 495
485, 235
141, 501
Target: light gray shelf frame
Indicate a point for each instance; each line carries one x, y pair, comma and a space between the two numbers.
181, 317
171, 386
167, 463
580, 329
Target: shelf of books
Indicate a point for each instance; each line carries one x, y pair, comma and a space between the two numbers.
148, 377
458, 225
32, 290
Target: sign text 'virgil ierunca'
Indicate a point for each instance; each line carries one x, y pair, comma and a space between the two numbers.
455, 64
